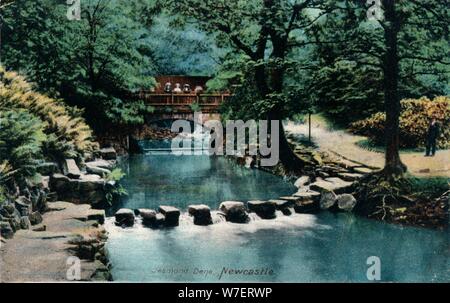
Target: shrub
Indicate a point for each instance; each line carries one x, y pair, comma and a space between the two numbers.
21, 139
65, 122
414, 121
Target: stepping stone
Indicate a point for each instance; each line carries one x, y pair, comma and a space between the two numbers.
282, 204
234, 211
307, 195
201, 214
148, 216
264, 209
171, 215
159, 220
290, 199
307, 206
71, 169
125, 217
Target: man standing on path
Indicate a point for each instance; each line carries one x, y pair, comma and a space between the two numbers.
432, 136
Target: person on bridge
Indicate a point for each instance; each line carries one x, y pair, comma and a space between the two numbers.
177, 89
168, 88
432, 136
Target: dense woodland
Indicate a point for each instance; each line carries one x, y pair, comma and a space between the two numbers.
283, 58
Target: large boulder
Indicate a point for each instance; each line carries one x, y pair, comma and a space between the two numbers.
91, 168
302, 181
125, 217
88, 189
328, 200
25, 223
108, 153
346, 202
6, 230
336, 185
148, 216
96, 215
35, 218
109, 165
234, 211
23, 205
264, 209
71, 169
171, 215
201, 214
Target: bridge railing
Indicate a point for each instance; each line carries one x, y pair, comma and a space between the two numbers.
183, 99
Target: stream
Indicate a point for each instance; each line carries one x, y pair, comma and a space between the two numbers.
326, 247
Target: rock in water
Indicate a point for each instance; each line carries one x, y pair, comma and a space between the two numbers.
234, 211
148, 217
159, 220
71, 169
346, 202
282, 204
125, 217
201, 214
108, 153
306, 206
328, 200
35, 218
171, 214
302, 181
264, 209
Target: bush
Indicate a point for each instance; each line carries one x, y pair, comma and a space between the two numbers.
414, 122
65, 122
21, 140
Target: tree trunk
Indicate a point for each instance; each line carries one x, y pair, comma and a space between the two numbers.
393, 165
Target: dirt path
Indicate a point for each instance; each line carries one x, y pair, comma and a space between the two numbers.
42, 256
344, 144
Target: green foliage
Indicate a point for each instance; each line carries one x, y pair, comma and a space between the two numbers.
347, 93
430, 187
115, 175
195, 107
68, 134
116, 190
414, 122
93, 63
21, 139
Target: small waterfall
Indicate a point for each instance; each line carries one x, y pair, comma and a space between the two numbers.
279, 214
186, 219
218, 217
254, 217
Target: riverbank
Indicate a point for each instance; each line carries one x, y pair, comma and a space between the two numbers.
43, 253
